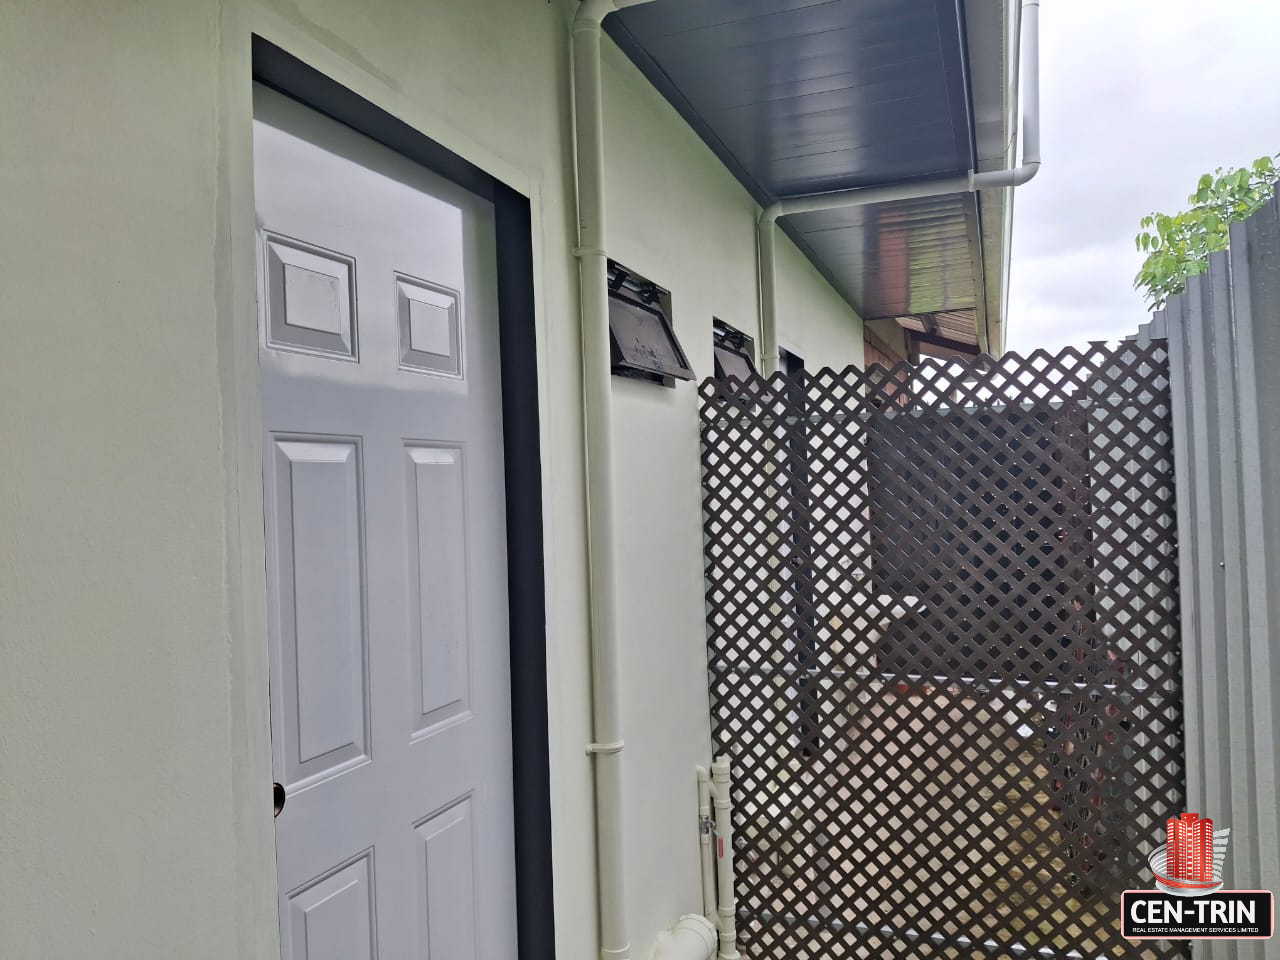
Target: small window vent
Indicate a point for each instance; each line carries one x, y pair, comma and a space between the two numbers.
735, 358
643, 340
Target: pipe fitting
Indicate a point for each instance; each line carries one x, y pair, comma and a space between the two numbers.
995, 179
591, 14
691, 938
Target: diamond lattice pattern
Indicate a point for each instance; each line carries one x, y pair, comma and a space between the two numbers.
942, 616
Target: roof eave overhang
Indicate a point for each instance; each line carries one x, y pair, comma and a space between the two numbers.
977, 56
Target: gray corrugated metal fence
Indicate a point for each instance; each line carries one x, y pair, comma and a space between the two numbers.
1224, 347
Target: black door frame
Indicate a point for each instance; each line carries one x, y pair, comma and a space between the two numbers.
275, 68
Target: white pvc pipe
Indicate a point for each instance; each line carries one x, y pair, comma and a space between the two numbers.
767, 251
692, 938
726, 902
1030, 94
706, 852
597, 413
1030, 91
971, 182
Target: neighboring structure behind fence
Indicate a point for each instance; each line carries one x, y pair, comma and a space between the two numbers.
1224, 345
942, 610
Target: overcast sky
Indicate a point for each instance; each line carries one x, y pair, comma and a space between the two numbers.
1139, 98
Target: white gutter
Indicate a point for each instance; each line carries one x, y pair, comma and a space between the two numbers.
597, 414
971, 182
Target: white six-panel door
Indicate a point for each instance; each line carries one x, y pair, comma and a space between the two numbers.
383, 480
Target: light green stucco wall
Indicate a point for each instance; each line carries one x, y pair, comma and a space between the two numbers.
133, 721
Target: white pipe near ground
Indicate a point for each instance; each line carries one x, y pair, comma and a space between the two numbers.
726, 902
706, 851
692, 938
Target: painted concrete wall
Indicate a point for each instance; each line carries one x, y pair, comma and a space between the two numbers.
812, 317
891, 335
133, 722
116, 807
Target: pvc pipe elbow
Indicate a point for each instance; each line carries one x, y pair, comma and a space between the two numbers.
691, 938
591, 13
594, 11
995, 179
1025, 172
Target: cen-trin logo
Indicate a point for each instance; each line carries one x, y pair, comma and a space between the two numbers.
1189, 902
1226, 915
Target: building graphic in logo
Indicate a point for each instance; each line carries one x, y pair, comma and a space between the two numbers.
1190, 865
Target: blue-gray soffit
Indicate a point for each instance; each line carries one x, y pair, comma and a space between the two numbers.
809, 96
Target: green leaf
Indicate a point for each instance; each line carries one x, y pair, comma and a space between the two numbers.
1178, 246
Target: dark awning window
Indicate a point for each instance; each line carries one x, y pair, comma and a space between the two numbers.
734, 351
731, 363
643, 341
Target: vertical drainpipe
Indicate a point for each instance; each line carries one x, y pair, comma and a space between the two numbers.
767, 249
1029, 93
726, 904
597, 413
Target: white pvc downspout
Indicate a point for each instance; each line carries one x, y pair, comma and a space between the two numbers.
706, 852
971, 182
715, 817
597, 413
726, 902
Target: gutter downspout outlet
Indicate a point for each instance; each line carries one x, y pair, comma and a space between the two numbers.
692, 938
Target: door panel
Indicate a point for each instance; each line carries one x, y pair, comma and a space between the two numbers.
447, 879
320, 615
311, 303
438, 586
386, 548
332, 918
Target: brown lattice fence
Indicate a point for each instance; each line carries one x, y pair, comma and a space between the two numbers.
943, 646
